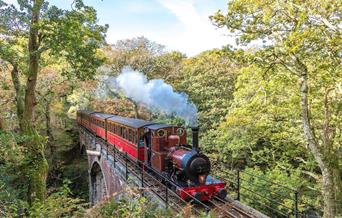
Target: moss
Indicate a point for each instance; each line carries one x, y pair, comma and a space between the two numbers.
37, 176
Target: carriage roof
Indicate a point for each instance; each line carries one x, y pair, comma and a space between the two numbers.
156, 126
102, 115
135, 123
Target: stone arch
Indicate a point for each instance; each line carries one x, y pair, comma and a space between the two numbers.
98, 184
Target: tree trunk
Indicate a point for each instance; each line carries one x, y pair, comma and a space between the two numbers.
328, 188
2, 124
322, 157
18, 94
38, 165
136, 110
50, 138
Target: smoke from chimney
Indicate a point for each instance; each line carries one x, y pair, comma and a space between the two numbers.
155, 94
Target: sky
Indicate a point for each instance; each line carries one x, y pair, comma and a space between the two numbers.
181, 25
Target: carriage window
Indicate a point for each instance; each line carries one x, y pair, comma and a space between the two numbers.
125, 133
135, 138
130, 135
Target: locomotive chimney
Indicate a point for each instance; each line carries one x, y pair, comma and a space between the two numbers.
195, 138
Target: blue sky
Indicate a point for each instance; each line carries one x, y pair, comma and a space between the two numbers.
181, 25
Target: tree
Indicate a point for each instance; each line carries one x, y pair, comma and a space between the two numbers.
262, 134
303, 39
144, 56
26, 34
209, 80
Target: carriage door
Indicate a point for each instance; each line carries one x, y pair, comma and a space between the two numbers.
148, 144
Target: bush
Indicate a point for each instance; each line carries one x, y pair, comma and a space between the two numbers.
59, 204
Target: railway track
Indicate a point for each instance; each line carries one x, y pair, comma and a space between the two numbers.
218, 207
222, 207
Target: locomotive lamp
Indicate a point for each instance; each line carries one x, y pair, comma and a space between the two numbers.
195, 138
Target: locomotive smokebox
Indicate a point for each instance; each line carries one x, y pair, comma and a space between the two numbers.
195, 131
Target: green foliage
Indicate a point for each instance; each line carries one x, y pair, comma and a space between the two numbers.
59, 204
145, 56
249, 101
209, 80
263, 189
133, 208
12, 161
264, 118
72, 36
34, 35
75, 36
300, 68
133, 205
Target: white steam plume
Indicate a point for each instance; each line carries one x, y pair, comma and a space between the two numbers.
155, 94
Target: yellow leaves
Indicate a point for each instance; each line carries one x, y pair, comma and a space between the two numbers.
101, 53
58, 107
296, 40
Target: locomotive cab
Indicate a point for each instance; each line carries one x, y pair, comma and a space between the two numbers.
159, 139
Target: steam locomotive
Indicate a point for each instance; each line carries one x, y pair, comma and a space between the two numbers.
162, 147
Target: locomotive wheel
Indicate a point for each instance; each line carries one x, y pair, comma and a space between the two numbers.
222, 193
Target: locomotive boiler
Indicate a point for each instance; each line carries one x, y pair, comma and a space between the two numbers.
190, 165
161, 147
